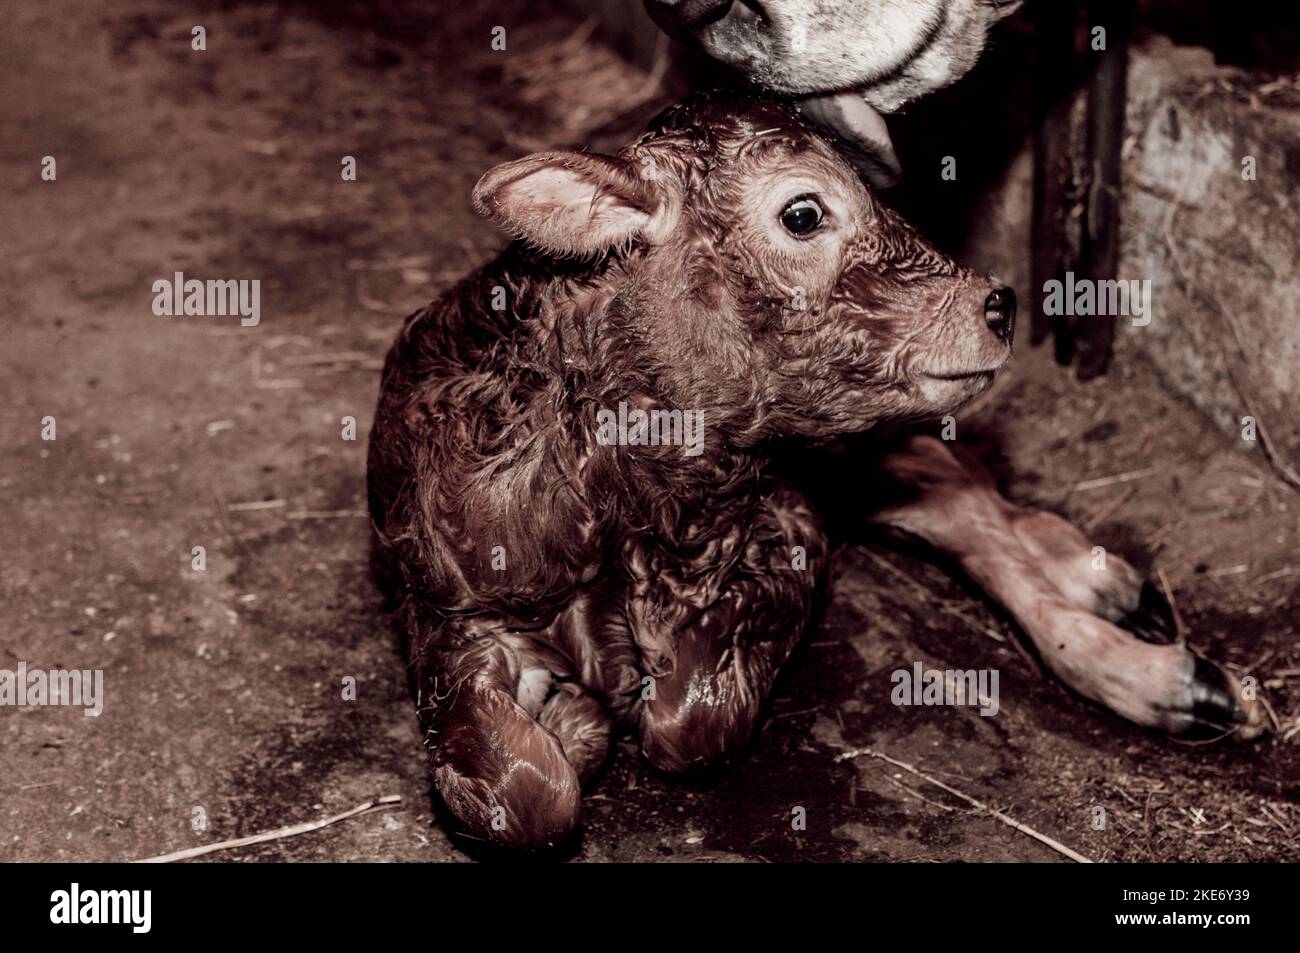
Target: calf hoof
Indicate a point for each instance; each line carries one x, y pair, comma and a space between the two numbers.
1161, 686
1218, 702
1153, 618
1219, 705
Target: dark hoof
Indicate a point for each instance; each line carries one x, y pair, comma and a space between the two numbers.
1218, 706
1152, 620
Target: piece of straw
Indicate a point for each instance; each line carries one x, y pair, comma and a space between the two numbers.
1009, 821
283, 832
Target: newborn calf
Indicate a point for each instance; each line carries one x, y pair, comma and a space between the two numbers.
567, 567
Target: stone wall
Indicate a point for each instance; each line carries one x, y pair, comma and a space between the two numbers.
1211, 216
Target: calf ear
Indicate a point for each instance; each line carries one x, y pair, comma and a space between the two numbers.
568, 203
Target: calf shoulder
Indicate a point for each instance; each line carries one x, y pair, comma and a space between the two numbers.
478, 477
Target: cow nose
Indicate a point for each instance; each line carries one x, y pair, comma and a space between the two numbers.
1000, 313
694, 14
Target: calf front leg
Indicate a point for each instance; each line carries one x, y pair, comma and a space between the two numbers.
509, 745
722, 662
1082, 615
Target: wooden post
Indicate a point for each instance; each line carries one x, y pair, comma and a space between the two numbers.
1099, 254
1077, 168
1055, 81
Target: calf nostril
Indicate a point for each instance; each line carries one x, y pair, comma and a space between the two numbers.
1000, 312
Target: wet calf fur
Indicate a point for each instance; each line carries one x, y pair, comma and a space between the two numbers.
556, 584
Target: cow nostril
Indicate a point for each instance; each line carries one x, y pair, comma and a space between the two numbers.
695, 14
1000, 312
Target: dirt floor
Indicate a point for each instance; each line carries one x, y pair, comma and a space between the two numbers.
224, 686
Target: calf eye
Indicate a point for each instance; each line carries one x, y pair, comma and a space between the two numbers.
802, 215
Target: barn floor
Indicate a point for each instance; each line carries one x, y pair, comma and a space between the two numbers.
223, 687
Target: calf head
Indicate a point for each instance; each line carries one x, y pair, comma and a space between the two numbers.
751, 275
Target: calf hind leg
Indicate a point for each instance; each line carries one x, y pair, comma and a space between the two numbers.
1081, 613
1100, 583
